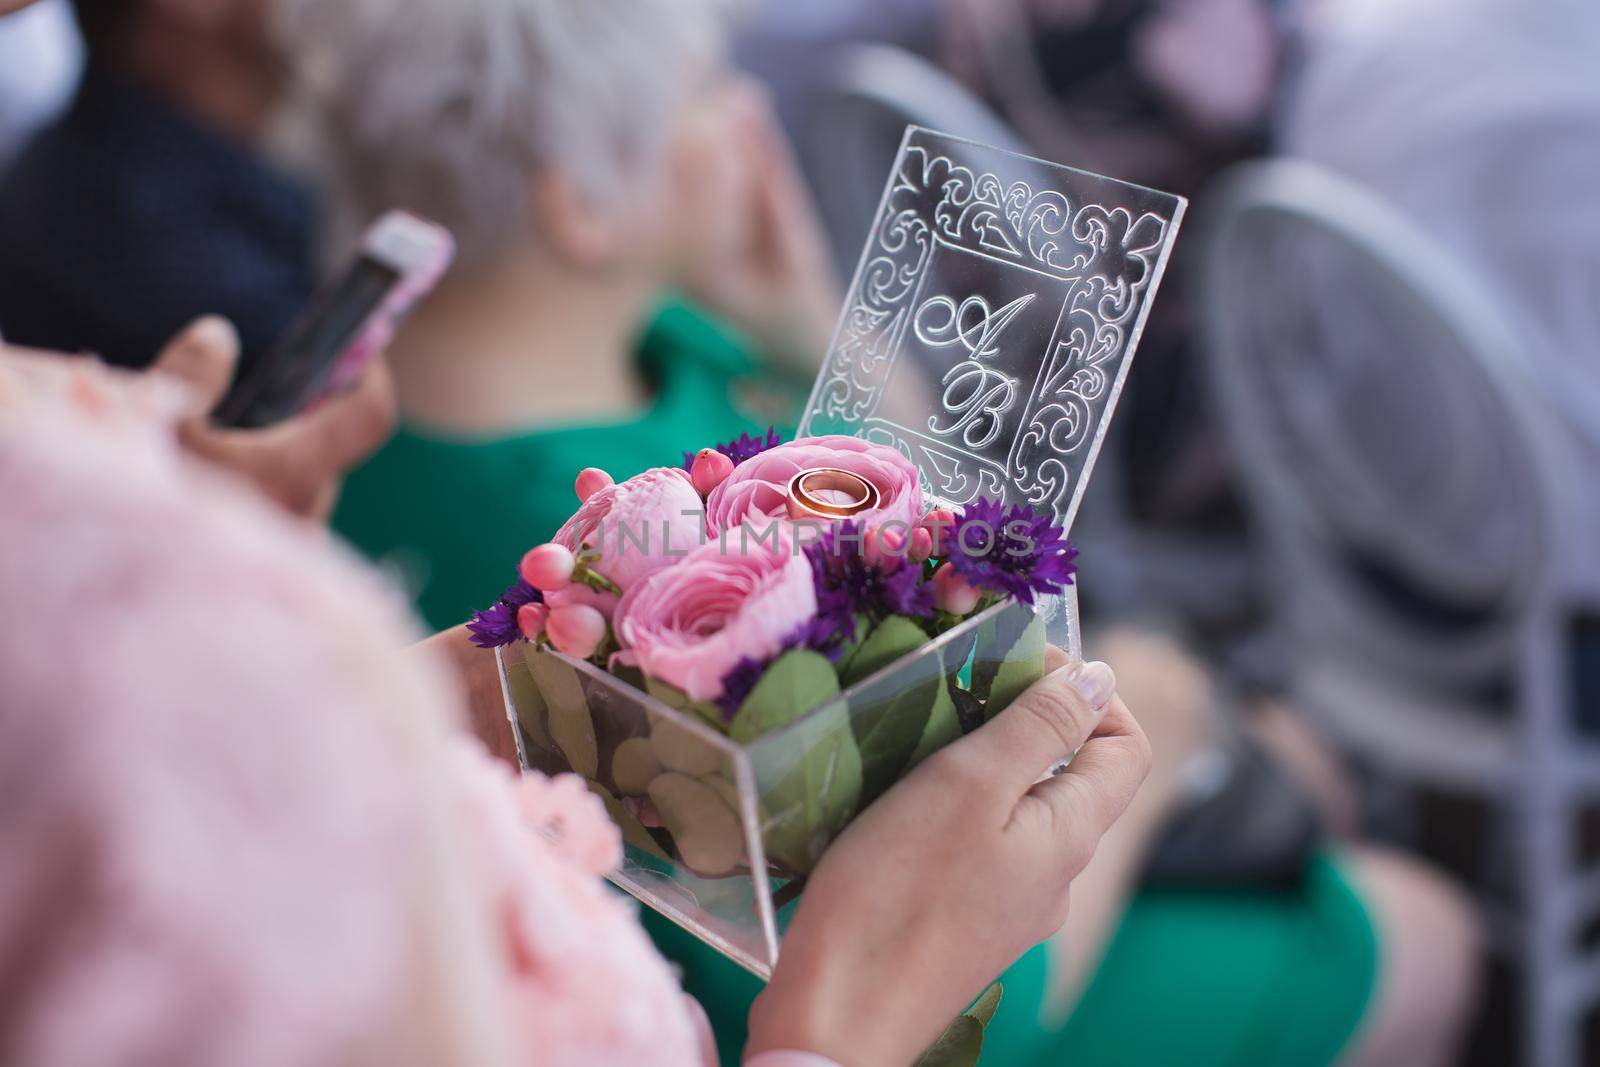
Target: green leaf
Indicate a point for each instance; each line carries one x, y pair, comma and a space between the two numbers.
706, 832
961, 1044
943, 726
567, 719
984, 1007
634, 832
809, 779
683, 750
1015, 634
847, 653
678, 700
888, 641
890, 719
810, 802
795, 683
527, 703
1024, 665
634, 765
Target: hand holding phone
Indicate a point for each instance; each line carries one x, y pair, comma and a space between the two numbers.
402, 257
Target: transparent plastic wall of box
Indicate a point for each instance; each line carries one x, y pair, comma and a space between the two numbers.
718, 836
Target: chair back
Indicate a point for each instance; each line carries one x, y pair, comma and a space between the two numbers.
854, 120
1379, 420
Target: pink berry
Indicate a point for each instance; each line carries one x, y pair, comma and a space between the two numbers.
531, 619
590, 481
576, 629
921, 545
952, 593
884, 548
548, 567
939, 522
709, 470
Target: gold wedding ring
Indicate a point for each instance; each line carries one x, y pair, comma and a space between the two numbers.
857, 494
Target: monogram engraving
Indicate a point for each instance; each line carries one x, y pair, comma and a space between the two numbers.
992, 318
976, 394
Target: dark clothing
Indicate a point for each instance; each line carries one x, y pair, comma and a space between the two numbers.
127, 219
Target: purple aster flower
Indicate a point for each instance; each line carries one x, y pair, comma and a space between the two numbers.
848, 585
1013, 551
741, 449
737, 684
497, 626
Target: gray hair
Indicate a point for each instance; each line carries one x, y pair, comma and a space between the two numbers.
447, 107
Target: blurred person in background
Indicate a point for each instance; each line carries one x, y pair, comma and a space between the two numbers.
1164, 93
589, 157
298, 464
256, 836
41, 58
590, 160
150, 202
1488, 138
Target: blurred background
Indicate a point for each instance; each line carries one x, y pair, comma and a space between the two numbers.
1353, 480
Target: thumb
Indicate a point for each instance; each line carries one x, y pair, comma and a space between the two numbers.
1046, 724
203, 357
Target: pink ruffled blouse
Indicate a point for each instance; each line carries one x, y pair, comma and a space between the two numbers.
241, 828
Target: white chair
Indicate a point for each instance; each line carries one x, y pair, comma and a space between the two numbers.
1406, 491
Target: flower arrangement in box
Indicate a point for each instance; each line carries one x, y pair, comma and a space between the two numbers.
740, 653
758, 589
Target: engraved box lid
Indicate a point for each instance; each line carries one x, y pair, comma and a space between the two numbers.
992, 320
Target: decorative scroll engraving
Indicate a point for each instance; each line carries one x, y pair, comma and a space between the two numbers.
992, 318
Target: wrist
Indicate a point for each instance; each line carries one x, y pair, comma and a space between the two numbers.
825, 1016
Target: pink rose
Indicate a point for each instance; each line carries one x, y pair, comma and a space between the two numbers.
691, 624
758, 488
637, 526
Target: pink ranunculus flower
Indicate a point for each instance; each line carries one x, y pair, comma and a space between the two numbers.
691, 624
758, 489
638, 526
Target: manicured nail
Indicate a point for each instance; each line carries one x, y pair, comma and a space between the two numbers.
213, 330
1095, 683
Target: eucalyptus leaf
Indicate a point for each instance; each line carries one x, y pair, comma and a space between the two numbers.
1024, 665
680, 749
1015, 634
724, 788
634, 765
567, 712
888, 641
890, 716
961, 1044
943, 725
984, 1007
634, 832
706, 832
678, 700
527, 703
809, 779
796, 682
847, 651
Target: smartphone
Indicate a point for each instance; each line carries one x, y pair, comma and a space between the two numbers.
402, 257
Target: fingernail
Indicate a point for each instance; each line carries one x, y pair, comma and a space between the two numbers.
1095, 682
213, 330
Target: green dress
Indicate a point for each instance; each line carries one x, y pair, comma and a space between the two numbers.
1193, 978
